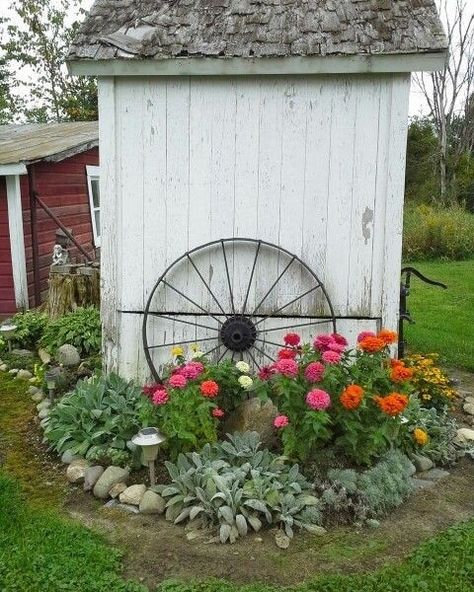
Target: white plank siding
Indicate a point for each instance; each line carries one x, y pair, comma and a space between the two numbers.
314, 164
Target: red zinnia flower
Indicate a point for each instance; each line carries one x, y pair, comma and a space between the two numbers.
292, 339
287, 354
209, 388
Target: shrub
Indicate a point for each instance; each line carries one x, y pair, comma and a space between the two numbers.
235, 487
438, 233
430, 382
30, 326
329, 394
81, 328
194, 396
350, 496
101, 413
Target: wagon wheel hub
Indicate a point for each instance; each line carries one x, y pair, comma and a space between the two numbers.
238, 333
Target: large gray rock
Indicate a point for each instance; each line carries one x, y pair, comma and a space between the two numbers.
44, 356
37, 397
468, 408
68, 456
24, 374
133, 494
109, 477
434, 474
420, 484
116, 505
76, 471
152, 503
465, 435
3, 367
422, 463
91, 476
117, 489
46, 404
22, 353
68, 355
43, 413
255, 416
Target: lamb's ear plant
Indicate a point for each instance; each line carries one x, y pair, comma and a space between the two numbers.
234, 487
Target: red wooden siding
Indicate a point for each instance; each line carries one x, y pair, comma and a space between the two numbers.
7, 296
63, 188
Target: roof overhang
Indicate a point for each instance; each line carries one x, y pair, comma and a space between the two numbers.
17, 168
357, 64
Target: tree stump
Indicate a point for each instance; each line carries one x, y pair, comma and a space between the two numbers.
72, 287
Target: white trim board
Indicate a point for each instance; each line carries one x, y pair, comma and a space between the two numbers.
17, 168
17, 241
358, 64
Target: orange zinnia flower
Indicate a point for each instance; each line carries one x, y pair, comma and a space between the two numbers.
352, 396
387, 336
392, 404
401, 373
371, 344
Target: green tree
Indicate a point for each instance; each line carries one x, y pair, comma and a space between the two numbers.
37, 42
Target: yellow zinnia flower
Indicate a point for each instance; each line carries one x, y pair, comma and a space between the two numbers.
177, 350
420, 436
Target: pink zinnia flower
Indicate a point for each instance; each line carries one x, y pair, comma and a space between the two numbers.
365, 334
318, 400
177, 381
337, 347
218, 412
149, 389
287, 367
280, 421
322, 342
160, 397
287, 354
266, 372
340, 339
292, 339
192, 370
314, 372
331, 357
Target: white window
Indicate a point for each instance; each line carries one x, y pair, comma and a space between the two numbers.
93, 177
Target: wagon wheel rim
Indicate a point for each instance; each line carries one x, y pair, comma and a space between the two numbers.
239, 330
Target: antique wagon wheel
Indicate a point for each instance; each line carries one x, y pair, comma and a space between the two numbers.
238, 321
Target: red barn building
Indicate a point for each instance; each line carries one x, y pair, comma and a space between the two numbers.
49, 180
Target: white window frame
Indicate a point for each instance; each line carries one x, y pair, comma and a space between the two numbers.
93, 174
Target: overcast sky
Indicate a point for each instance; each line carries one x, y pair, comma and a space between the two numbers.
417, 101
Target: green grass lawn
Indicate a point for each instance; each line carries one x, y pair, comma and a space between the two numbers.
444, 318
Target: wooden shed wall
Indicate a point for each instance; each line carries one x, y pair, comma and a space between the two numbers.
7, 295
315, 164
63, 188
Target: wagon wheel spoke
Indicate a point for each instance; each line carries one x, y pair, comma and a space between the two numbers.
228, 278
274, 313
286, 327
264, 353
273, 286
180, 342
253, 359
251, 276
265, 341
207, 285
178, 320
191, 300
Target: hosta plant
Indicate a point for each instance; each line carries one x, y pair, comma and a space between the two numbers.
236, 487
81, 328
101, 413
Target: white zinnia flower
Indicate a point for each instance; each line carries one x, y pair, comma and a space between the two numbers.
196, 355
242, 367
246, 382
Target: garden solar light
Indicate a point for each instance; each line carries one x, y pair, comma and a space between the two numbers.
51, 376
8, 331
149, 440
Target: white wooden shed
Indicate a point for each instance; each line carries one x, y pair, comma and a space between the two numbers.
282, 121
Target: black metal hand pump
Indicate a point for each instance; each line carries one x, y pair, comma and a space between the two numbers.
404, 293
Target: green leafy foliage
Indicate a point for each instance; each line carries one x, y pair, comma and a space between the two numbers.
351, 496
101, 413
30, 326
431, 232
81, 328
236, 487
41, 551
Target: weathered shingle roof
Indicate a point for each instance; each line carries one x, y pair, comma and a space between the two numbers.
46, 141
257, 28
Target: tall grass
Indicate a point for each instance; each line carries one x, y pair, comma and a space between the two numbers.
437, 233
